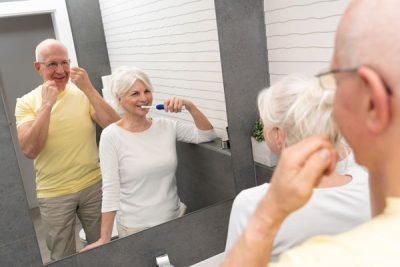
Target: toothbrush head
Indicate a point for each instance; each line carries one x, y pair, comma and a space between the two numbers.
160, 107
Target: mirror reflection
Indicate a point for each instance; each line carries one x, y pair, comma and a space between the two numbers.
138, 157
193, 77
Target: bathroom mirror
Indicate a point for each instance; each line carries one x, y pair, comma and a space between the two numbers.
187, 66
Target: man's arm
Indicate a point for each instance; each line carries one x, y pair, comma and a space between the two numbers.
104, 113
300, 169
32, 135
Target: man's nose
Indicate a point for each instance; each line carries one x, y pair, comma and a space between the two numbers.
60, 68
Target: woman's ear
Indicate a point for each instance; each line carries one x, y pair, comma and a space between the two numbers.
280, 137
377, 112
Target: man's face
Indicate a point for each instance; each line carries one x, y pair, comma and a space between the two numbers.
55, 66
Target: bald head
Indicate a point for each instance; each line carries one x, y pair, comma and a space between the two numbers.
369, 34
44, 47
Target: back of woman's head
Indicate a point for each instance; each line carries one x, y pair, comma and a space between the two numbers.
124, 77
301, 107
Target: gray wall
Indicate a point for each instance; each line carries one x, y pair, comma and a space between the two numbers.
202, 234
241, 33
18, 246
22, 34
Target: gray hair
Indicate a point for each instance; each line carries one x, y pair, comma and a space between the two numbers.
45, 44
301, 107
124, 77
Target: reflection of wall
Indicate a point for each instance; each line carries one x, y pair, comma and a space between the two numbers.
19, 37
176, 43
200, 182
300, 34
18, 246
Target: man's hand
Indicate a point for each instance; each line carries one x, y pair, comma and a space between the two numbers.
49, 93
80, 77
300, 169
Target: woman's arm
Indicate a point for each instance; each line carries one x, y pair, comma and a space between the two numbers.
107, 222
108, 153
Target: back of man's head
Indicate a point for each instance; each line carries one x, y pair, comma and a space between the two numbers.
368, 34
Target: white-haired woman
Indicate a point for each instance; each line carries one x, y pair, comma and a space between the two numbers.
138, 157
294, 108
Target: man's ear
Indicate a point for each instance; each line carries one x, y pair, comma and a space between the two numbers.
378, 109
36, 65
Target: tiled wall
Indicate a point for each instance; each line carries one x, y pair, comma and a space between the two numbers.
176, 43
300, 34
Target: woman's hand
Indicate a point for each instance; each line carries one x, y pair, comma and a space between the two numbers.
175, 104
94, 245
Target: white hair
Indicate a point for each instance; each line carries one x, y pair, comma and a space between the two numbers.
301, 107
124, 77
45, 44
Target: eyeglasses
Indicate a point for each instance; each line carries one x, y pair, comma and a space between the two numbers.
54, 65
327, 80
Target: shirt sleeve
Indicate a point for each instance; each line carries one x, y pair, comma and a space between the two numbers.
237, 221
189, 133
108, 153
24, 111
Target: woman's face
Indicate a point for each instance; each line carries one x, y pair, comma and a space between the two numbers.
138, 95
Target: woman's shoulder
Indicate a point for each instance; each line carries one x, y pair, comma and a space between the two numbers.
110, 130
251, 195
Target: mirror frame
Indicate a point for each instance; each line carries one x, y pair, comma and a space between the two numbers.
59, 14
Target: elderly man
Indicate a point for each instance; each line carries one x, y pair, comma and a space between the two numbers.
56, 128
365, 67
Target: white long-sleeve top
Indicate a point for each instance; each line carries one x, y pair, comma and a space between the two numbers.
138, 170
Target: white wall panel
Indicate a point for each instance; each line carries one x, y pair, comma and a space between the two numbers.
176, 43
300, 34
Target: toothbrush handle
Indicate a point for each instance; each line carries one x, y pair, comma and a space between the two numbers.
161, 107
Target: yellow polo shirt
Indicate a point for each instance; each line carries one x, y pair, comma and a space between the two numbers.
69, 160
373, 244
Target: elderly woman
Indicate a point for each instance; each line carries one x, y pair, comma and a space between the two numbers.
291, 110
138, 157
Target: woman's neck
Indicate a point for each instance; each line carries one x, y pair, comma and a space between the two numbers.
334, 180
134, 123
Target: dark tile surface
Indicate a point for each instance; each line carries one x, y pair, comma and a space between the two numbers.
204, 176
18, 246
201, 235
241, 33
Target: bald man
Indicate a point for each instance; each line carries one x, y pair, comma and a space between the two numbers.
365, 67
56, 128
